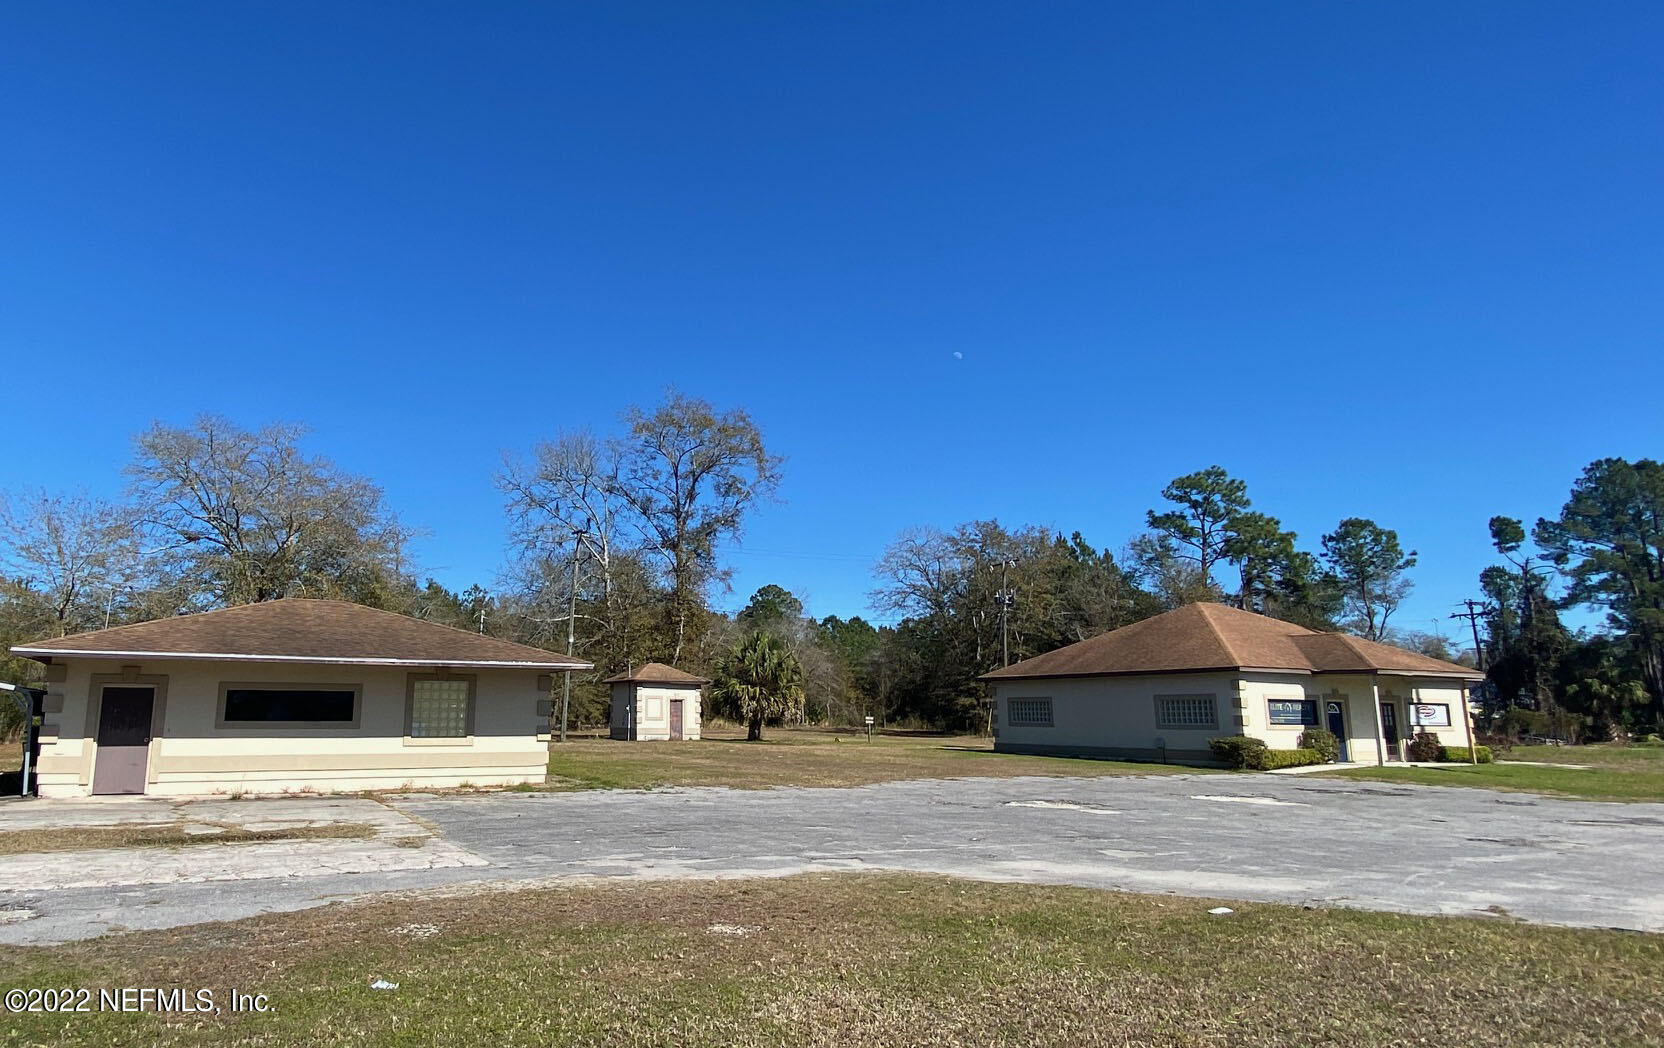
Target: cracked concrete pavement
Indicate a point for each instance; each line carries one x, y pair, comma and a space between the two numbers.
398, 843
1414, 849
253, 814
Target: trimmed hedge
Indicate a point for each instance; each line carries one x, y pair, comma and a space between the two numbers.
1293, 758
1323, 741
1240, 752
1245, 754
1425, 746
1459, 754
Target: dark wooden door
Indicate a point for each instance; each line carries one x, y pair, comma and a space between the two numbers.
1389, 729
123, 740
1336, 714
675, 718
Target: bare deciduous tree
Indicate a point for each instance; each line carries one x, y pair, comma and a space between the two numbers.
568, 495
67, 559
690, 475
250, 517
920, 575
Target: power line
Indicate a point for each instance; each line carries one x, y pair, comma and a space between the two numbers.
1006, 599
1475, 610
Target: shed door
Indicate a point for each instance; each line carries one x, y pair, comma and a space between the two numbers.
123, 740
675, 718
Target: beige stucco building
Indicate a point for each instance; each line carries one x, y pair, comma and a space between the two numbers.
1161, 688
656, 702
290, 695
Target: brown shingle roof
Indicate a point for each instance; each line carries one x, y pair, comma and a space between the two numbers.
655, 673
302, 630
1200, 637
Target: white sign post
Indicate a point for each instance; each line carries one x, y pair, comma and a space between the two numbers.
869, 729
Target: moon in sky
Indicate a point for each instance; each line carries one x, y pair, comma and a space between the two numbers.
958, 355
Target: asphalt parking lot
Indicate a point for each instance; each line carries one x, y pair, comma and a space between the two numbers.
1253, 837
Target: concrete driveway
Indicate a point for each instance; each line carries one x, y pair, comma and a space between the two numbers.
395, 842
1413, 849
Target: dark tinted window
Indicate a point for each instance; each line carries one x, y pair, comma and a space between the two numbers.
279, 705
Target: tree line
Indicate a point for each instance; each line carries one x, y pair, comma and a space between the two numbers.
1603, 552
972, 597
618, 537
215, 515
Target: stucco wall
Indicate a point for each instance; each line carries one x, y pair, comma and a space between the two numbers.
1114, 716
1354, 692
1259, 690
642, 711
192, 756
653, 711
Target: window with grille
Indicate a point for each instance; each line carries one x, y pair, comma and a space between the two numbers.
1028, 713
1186, 711
439, 708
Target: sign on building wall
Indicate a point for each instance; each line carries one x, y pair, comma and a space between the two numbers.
1430, 715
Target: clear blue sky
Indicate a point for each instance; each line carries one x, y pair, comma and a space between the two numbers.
1402, 261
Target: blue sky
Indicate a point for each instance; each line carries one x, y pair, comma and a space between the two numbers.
1398, 261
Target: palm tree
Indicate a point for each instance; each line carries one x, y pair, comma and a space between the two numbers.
760, 678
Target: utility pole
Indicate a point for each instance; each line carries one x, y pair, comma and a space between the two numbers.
1006, 601
571, 628
1475, 610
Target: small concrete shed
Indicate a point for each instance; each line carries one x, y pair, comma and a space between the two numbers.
656, 701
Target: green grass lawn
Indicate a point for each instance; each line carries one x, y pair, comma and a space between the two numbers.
1611, 773
804, 757
858, 961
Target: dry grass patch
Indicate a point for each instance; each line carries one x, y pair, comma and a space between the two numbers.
166, 835
861, 961
806, 757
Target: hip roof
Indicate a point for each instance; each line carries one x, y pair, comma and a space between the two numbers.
298, 629
1201, 637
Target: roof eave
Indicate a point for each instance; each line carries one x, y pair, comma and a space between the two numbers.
1442, 674
995, 676
39, 653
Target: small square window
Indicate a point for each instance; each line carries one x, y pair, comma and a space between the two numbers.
439, 709
1028, 713
1186, 711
